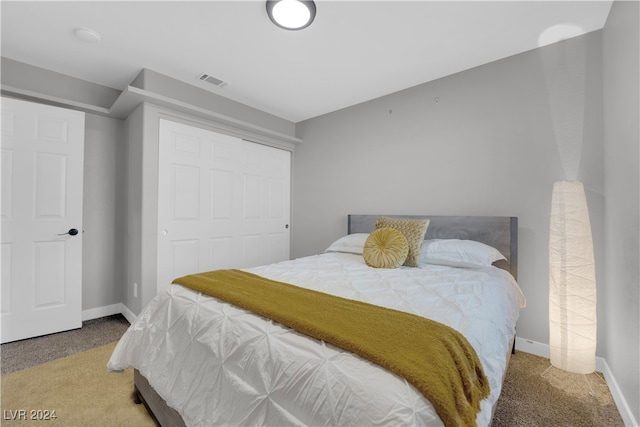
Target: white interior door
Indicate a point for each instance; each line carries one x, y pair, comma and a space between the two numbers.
223, 202
42, 176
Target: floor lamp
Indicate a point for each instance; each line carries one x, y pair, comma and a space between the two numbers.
572, 284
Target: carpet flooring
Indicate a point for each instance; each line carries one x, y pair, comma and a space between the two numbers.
536, 394
24, 354
75, 390
67, 372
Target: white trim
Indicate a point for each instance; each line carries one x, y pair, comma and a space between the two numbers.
618, 397
542, 350
109, 310
128, 314
533, 347
96, 313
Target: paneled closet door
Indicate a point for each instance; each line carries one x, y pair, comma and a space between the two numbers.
222, 202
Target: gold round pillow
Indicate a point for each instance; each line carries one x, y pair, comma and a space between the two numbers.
385, 248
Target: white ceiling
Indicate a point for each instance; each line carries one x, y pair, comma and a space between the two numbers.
353, 52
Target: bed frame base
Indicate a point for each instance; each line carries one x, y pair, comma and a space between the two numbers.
162, 414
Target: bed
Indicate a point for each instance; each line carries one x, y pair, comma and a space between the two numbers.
199, 360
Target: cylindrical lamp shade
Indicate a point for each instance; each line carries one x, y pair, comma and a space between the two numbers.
572, 282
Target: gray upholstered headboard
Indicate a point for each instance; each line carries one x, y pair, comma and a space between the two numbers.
501, 232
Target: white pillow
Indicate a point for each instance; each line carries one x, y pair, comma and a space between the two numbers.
458, 253
351, 243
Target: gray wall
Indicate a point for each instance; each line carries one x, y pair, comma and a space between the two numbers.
481, 142
621, 60
103, 212
133, 174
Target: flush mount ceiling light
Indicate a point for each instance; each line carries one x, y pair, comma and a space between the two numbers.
291, 14
87, 35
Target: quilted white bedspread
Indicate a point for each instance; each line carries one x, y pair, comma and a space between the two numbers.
217, 364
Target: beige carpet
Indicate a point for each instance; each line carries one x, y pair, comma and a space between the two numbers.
537, 394
78, 388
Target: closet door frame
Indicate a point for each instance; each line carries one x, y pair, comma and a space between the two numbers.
142, 131
223, 202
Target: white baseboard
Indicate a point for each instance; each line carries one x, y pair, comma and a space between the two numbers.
542, 350
128, 314
533, 347
96, 313
109, 310
621, 402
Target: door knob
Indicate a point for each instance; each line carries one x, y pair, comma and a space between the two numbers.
71, 232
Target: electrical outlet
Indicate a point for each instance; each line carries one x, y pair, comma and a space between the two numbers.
135, 290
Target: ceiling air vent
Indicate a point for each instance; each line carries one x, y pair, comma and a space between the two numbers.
210, 79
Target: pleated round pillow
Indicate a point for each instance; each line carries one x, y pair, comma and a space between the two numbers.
413, 229
385, 248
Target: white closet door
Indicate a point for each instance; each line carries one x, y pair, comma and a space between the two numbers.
42, 177
222, 202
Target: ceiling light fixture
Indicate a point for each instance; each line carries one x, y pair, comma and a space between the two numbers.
291, 14
87, 35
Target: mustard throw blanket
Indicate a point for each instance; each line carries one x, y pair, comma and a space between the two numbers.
435, 358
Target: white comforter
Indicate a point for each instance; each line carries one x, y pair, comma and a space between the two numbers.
220, 365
